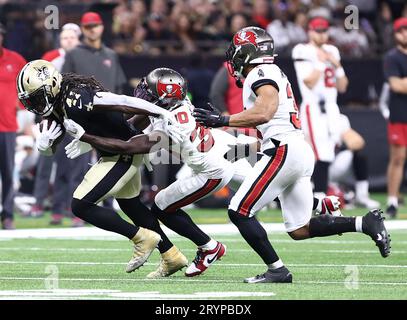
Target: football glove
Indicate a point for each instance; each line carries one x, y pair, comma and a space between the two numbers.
210, 117
141, 91
47, 135
73, 129
172, 129
77, 148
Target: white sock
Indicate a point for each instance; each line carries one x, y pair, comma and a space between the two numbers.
391, 200
362, 189
276, 265
210, 245
358, 224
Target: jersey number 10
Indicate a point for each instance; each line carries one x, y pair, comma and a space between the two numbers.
200, 132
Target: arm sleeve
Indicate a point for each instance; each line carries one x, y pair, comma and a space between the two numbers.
218, 90
112, 99
68, 64
391, 68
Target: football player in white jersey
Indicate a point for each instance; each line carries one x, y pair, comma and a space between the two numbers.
320, 76
285, 169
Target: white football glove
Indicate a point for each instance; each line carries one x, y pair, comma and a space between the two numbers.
47, 136
174, 131
76, 148
74, 130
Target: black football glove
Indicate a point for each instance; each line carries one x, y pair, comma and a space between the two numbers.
210, 117
141, 91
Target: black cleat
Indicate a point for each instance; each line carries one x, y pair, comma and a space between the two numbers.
391, 211
280, 275
373, 225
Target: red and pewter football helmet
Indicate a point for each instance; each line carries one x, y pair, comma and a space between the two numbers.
250, 45
165, 86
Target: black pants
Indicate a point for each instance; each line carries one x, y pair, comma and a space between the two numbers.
7, 151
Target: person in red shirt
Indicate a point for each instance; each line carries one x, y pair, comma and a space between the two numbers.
10, 65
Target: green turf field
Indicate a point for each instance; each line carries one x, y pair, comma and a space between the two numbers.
346, 267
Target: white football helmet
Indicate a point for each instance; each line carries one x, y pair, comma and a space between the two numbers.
38, 83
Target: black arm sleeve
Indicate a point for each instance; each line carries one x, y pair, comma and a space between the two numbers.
218, 90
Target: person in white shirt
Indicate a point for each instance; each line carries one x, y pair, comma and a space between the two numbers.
320, 76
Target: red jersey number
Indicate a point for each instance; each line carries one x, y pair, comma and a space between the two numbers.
294, 116
205, 136
329, 77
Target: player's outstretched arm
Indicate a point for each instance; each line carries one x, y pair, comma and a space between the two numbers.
265, 106
129, 105
139, 144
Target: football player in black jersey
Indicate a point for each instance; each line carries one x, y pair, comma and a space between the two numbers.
45, 92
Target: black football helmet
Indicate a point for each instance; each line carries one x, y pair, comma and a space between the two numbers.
250, 45
163, 86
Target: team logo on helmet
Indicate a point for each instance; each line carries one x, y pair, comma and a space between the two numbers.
42, 73
245, 37
171, 90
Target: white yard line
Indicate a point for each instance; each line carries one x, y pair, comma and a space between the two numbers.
92, 233
190, 280
219, 265
127, 250
74, 294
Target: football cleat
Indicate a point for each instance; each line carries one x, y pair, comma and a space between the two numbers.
280, 275
56, 219
373, 226
145, 241
204, 259
331, 205
391, 211
171, 261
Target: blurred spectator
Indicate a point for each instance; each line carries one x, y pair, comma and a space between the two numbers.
287, 34
395, 70
261, 15
224, 93
199, 79
93, 58
10, 65
157, 30
353, 42
69, 39
237, 22
384, 27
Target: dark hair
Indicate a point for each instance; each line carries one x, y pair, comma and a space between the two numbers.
72, 81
